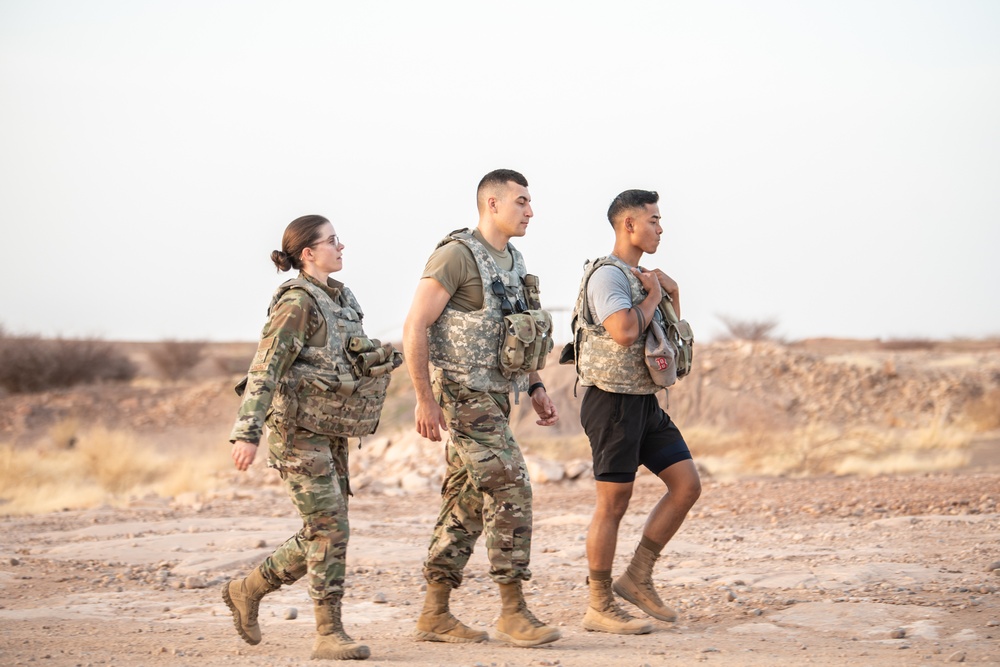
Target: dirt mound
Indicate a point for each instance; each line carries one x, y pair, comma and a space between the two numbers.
735, 386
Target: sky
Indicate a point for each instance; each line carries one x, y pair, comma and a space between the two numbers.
831, 166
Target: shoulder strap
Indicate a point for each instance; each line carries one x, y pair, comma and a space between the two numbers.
597, 263
667, 310
294, 283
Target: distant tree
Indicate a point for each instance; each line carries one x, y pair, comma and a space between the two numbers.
174, 358
753, 330
32, 363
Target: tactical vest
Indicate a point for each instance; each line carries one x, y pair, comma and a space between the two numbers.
320, 392
600, 360
465, 346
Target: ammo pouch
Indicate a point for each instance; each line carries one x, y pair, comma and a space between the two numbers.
680, 335
525, 342
344, 407
370, 357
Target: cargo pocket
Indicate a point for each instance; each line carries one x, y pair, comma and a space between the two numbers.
519, 333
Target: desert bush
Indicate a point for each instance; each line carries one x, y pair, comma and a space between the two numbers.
32, 364
901, 344
229, 365
172, 359
821, 450
983, 412
753, 330
105, 466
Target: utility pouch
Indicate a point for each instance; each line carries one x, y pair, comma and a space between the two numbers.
526, 342
683, 339
349, 409
680, 335
532, 293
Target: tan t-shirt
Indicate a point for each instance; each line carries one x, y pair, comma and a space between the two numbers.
455, 268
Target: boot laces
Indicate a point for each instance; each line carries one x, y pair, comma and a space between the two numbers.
523, 608
253, 607
614, 609
342, 637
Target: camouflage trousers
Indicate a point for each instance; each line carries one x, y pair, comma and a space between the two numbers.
486, 488
314, 470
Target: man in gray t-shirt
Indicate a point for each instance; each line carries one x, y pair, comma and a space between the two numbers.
629, 429
608, 292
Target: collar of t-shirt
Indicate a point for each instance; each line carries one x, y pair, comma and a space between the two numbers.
502, 257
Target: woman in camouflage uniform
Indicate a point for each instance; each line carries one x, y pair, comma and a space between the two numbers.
296, 386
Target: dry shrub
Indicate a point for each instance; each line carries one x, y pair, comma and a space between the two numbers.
753, 330
64, 434
229, 365
983, 413
172, 359
32, 364
819, 450
907, 344
105, 466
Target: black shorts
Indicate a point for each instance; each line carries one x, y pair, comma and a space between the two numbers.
626, 430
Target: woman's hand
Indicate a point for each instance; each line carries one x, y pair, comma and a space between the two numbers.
243, 454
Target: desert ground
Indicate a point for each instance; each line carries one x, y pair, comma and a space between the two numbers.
788, 557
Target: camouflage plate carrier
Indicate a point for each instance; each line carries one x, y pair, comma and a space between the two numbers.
488, 349
600, 360
322, 392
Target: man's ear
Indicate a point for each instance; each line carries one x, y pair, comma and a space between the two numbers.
629, 226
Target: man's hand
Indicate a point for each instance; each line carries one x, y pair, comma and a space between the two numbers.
668, 284
430, 421
651, 282
544, 407
428, 304
243, 454
670, 288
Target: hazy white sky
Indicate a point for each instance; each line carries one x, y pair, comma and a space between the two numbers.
832, 165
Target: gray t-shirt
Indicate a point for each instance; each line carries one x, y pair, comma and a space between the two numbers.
608, 292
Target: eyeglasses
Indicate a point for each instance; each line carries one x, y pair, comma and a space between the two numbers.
333, 240
500, 292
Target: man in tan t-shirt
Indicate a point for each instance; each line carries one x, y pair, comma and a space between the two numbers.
455, 268
455, 325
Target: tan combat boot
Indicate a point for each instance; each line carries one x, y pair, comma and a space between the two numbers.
604, 614
437, 624
519, 626
332, 643
636, 586
243, 599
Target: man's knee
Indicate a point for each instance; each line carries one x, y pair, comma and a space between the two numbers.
687, 491
612, 501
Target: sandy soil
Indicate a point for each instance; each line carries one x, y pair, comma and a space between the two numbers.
828, 571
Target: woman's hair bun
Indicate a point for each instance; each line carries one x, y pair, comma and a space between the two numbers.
281, 260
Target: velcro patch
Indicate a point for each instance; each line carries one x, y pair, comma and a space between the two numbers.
264, 353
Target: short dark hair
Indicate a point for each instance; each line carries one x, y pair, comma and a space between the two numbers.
498, 178
630, 199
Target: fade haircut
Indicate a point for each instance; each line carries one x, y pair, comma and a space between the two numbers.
630, 199
497, 180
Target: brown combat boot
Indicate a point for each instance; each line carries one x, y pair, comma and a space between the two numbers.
604, 614
243, 599
519, 626
636, 586
437, 624
332, 643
